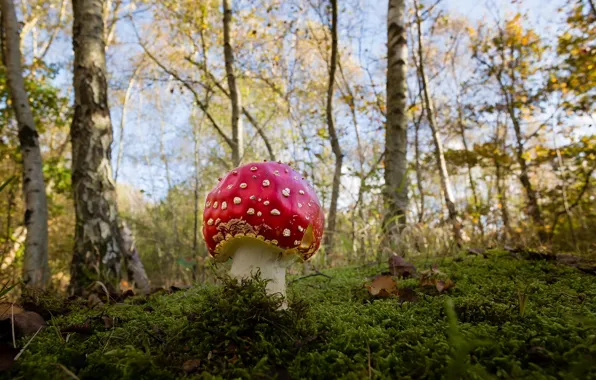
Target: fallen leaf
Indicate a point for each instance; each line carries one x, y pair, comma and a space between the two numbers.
83, 329
444, 285
94, 300
7, 354
382, 286
7, 309
400, 267
191, 366
407, 295
108, 322
25, 323
478, 252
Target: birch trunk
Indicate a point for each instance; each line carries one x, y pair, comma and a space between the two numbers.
134, 266
96, 252
332, 218
237, 128
439, 154
396, 183
35, 266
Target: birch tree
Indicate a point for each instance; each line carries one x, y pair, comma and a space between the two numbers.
35, 266
396, 189
436, 137
96, 250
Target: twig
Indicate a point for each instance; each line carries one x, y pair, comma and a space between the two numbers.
68, 372
23, 349
14, 341
317, 273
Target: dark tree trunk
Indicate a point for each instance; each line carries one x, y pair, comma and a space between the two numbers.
335, 147
237, 128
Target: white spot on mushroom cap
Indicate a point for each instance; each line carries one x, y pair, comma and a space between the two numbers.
259, 213
276, 172
300, 229
275, 212
301, 192
252, 197
224, 205
299, 205
286, 192
243, 185
266, 203
237, 200
230, 186
287, 232
296, 242
250, 211
210, 222
254, 168
208, 203
215, 204
217, 221
266, 183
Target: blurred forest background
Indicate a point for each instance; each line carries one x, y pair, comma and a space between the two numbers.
500, 108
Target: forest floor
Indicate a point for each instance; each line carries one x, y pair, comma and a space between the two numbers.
488, 315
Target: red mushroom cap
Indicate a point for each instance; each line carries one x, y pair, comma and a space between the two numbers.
268, 201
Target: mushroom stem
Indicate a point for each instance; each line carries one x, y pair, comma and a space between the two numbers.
253, 255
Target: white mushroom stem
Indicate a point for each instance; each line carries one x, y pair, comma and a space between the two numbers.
253, 255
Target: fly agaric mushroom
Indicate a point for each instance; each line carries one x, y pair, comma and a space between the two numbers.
264, 216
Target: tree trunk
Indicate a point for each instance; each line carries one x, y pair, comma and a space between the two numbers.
440, 156
524, 177
502, 197
96, 250
35, 266
418, 169
396, 138
237, 128
131, 84
462, 131
134, 266
332, 219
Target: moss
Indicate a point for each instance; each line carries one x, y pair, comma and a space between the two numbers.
333, 329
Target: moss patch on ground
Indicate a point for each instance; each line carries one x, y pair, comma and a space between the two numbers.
505, 318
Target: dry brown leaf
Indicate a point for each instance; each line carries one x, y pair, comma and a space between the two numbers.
382, 286
7, 309
191, 366
407, 295
7, 354
400, 267
444, 285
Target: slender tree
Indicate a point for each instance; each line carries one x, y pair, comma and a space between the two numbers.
396, 189
235, 98
510, 56
335, 147
35, 266
97, 253
438, 144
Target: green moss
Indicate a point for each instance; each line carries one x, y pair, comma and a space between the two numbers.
333, 329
